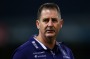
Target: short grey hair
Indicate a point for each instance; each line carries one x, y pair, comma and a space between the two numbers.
48, 6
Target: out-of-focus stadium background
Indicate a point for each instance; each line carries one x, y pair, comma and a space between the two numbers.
17, 24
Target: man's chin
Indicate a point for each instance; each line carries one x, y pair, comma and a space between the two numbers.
50, 35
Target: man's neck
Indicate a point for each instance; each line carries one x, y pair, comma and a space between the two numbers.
50, 43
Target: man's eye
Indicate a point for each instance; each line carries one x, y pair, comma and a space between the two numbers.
54, 20
46, 20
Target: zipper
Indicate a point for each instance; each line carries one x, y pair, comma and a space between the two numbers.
53, 54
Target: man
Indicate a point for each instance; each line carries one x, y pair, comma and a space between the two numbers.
44, 45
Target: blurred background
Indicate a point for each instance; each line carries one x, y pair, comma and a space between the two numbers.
17, 24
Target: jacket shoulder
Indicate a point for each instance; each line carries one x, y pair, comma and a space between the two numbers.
27, 45
23, 51
67, 50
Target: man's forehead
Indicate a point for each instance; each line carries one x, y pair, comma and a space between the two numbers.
48, 10
44, 11
49, 13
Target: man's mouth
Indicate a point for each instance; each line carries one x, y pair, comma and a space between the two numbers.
50, 31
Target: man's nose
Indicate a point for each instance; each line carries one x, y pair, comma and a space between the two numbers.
50, 23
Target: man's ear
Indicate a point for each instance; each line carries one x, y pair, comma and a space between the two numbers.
61, 23
37, 24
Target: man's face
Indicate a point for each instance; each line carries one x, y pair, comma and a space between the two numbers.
49, 23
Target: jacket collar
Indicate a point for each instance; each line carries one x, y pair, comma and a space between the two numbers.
39, 46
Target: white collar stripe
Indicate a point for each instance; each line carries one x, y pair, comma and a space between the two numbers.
44, 47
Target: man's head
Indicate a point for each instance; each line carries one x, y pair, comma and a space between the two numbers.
50, 6
49, 20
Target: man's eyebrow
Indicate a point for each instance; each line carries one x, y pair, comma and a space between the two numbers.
45, 18
53, 18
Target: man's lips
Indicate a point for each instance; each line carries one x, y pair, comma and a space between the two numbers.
50, 31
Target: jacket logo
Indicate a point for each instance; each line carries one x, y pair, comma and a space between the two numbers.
39, 56
35, 45
41, 52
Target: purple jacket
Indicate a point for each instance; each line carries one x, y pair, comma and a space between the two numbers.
32, 49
